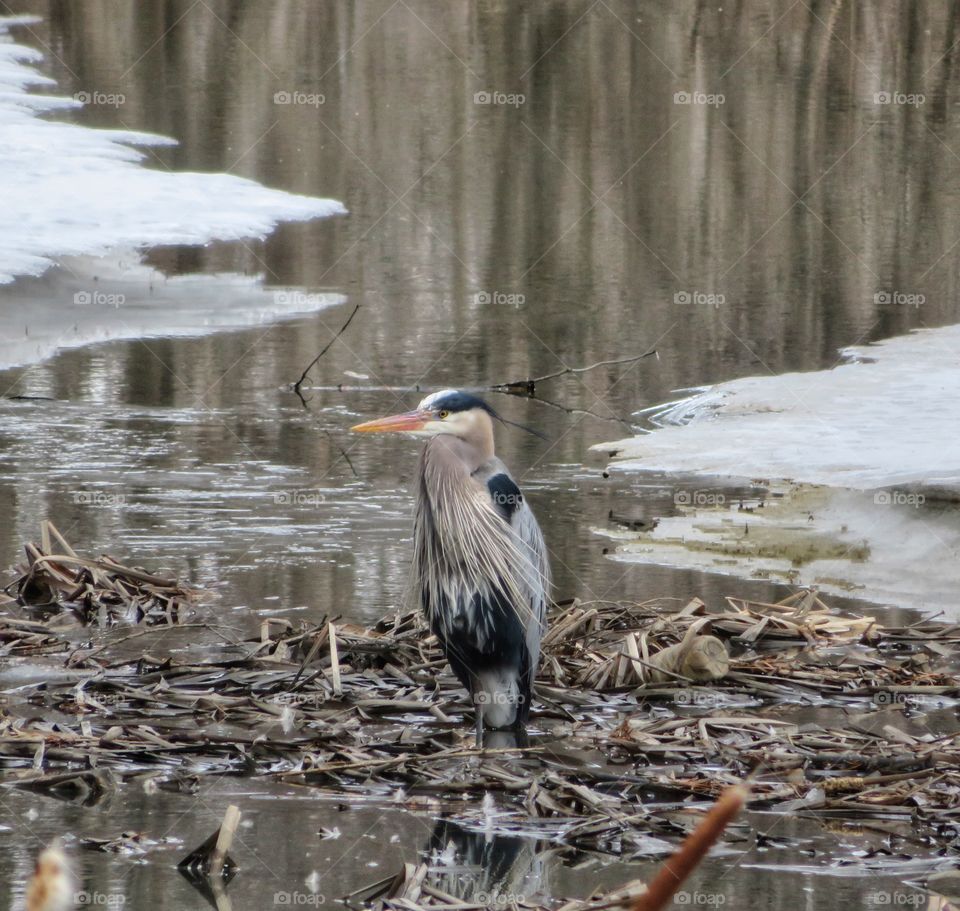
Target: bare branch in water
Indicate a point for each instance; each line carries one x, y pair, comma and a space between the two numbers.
613, 419
343, 452
522, 388
528, 387
303, 376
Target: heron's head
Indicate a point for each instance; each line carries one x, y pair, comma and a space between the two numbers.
457, 413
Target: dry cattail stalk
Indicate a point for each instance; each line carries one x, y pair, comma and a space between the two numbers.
682, 862
51, 886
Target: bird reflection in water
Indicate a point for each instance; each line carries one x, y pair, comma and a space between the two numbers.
486, 869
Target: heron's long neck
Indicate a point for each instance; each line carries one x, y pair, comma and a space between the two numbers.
444, 480
452, 511
448, 459
449, 456
446, 488
480, 438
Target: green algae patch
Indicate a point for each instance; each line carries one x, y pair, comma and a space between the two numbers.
798, 546
878, 545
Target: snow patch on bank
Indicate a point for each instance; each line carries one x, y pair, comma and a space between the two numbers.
887, 417
69, 190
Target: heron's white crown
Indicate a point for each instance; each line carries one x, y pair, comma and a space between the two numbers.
431, 400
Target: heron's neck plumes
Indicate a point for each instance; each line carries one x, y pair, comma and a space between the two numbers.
450, 460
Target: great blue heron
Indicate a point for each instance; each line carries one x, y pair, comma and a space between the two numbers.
480, 565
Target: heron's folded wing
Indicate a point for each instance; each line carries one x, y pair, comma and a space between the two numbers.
512, 506
528, 530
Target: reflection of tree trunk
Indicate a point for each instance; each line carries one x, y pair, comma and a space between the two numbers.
508, 205
942, 68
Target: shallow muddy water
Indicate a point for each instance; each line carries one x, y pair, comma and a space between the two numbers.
600, 216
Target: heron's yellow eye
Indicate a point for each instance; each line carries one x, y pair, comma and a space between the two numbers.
444, 415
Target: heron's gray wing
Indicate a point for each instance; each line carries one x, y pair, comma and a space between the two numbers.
513, 508
528, 530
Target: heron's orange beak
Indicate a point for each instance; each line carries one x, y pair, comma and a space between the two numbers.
411, 420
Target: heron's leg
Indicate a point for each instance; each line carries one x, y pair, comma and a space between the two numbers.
519, 731
476, 694
478, 710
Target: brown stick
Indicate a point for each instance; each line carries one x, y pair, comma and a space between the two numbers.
211, 859
335, 661
682, 862
224, 839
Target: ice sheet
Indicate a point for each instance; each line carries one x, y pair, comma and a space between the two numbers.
888, 416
